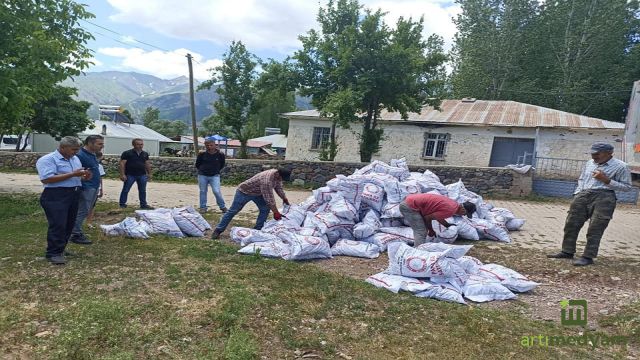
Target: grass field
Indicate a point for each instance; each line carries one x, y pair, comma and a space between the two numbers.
197, 299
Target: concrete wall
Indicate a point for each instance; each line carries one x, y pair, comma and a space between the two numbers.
468, 145
480, 180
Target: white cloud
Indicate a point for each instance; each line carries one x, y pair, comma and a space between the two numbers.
165, 65
273, 24
96, 63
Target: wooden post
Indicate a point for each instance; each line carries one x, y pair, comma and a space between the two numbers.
193, 107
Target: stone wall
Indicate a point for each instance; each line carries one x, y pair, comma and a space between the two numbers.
316, 174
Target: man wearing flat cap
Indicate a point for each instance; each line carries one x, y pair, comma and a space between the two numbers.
594, 199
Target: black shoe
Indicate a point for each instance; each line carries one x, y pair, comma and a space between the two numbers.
80, 239
147, 207
583, 261
215, 235
223, 210
57, 260
123, 206
560, 255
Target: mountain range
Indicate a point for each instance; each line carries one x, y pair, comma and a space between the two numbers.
135, 92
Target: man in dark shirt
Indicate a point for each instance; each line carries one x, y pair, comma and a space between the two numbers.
89, 193
135, 167
209, 163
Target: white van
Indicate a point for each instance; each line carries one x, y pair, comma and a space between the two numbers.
9, 143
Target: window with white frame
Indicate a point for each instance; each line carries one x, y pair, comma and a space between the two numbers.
435, 145
320, 137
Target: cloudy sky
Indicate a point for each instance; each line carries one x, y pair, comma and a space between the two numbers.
153, 36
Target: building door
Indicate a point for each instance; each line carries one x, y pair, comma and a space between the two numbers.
507, 151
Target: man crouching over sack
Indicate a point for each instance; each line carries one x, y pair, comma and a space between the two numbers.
421, 209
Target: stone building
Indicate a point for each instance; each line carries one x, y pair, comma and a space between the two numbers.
467, 132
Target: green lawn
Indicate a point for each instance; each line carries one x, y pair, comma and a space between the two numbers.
197, 299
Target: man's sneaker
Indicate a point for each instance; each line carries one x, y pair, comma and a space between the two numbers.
560, 255
202, 210
57, 260
583, 261
123, 206
216, 234
80, 239
223, 210
147, 207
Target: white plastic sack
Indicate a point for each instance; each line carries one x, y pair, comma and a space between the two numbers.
344, 230
341, 208
402, 231
442, 291
500, 215
444, 234
491, 231
382, 168
349, 188
397, 191
454, 251
160, 222
190, 221
382, 240
293, 214
512, 279
246, 236
310, 204
391, 211
399, 163
407, 261
481, 289
369, 225
395, 283
307, 247
129, 227
470, 264
465, 228
322, 221
354, 248
393, 222
323, 194
373, 195
515, 224
274, 249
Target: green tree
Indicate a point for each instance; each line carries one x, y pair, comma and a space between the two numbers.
128, 115
60, 115
572, 55
151, 119
492, 47
274, 94
236, 94
356, 66
42, 43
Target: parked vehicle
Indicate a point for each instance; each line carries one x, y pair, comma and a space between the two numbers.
9, 143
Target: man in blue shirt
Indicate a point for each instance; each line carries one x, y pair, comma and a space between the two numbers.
89, 193
595, 200
61, 173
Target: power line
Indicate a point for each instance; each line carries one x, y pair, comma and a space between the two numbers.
117, 33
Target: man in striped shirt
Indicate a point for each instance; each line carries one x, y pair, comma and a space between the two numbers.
258, 189
595, 199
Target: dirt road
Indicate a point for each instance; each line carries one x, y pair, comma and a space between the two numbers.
543, 229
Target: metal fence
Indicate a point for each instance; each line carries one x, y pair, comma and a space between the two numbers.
557, 168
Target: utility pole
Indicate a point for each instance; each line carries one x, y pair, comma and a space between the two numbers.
193, 107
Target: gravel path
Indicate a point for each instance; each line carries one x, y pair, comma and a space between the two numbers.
543, 229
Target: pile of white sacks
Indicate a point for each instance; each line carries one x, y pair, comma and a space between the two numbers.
359, 215
177, 222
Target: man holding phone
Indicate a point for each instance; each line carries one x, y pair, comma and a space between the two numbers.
594, 199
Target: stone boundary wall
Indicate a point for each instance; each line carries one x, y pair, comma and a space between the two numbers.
310, 173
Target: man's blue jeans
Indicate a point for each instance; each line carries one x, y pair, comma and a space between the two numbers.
214, 181
87, 199
239, 201
141, 180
